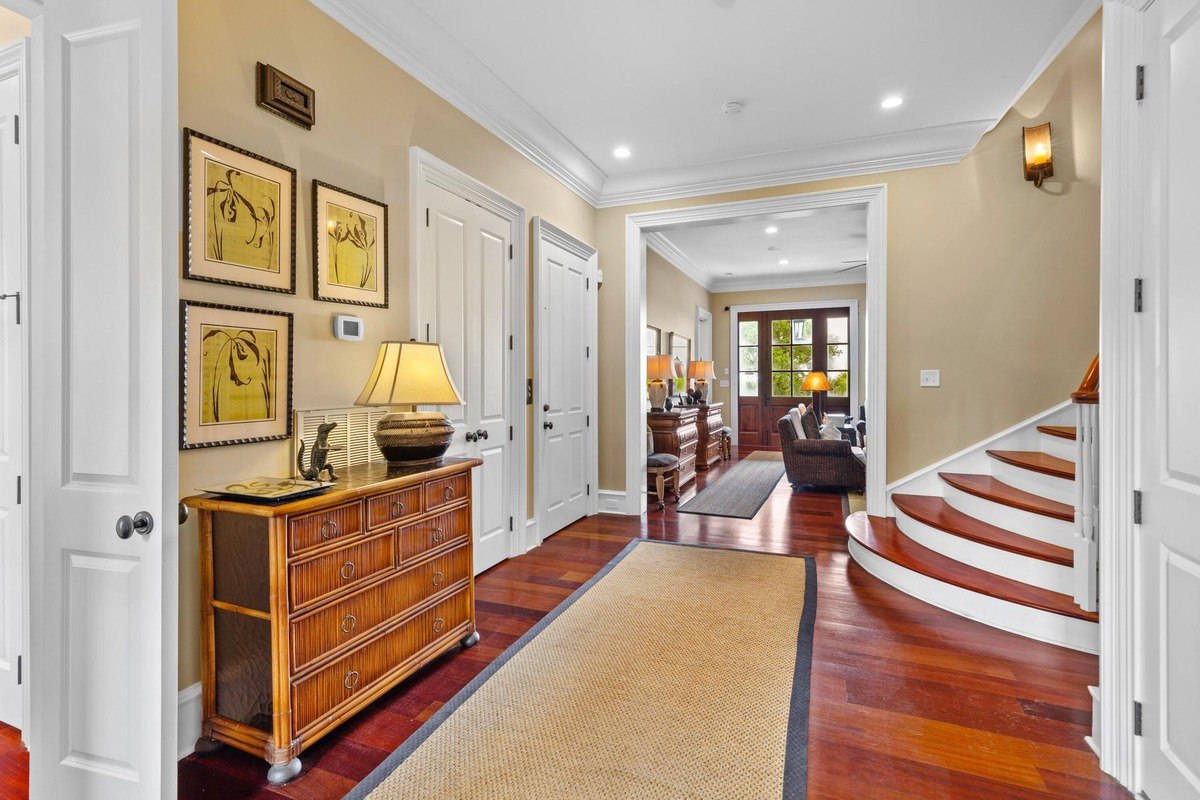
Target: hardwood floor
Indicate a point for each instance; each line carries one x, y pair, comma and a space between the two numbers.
14, 765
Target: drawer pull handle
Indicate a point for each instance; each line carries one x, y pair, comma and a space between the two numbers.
438, 624
438, 577
397, 509
439, 536
329, 529
448, 492
347, 571
351, 679
349, 623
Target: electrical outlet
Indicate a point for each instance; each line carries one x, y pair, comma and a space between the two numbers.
931, 378
725, 384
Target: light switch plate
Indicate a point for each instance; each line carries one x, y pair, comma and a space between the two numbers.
931, 378
724, 384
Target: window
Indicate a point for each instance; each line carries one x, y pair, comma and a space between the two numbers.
748, 367
777, 349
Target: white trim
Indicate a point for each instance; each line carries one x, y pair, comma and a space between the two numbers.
532, 539
543, 230
855, 348
875, 379
191, 715
610, 502
703, 317
678, 259
797, 281
426, 169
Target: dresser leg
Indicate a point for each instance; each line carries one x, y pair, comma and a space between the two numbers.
280, 774
470, 641
206, 745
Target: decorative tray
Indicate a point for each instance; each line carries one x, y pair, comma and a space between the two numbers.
269, 490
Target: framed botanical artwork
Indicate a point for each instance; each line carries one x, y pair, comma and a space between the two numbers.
236, 375
241, 216
349, 247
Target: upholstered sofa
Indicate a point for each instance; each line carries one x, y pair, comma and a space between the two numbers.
820, 462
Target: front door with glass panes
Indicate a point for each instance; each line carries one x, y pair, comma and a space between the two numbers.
776, 350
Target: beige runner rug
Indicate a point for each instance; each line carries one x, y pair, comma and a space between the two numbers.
676, 672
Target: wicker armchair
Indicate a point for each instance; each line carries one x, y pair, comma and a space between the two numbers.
820, 462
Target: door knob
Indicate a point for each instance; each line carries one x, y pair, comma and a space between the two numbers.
472, 436
548, 425
140, 522
481, 434
545, 406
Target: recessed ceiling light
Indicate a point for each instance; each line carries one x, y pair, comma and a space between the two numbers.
775, 247
728, 274
772, 229
892, 101
783, 262
622, 152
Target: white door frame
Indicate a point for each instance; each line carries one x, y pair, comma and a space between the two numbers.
703, 317
857, 377
638, 225
426, 169
545, 230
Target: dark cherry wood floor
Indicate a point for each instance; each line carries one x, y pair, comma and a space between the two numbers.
909, 702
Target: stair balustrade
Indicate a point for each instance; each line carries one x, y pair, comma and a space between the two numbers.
1087, 487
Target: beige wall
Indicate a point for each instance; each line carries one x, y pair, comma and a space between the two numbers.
13, 27
671, 300
990, 280
721, 344
368, 114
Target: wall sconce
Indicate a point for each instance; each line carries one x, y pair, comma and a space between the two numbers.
1039, 161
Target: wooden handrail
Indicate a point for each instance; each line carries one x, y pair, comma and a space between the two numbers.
1089, 388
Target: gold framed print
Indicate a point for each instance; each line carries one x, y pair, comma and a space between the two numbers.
236, 375
349, 247
241, 216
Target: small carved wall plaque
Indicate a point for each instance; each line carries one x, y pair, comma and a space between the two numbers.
284, 95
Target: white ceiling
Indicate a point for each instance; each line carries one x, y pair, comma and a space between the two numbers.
566, 82
737, 255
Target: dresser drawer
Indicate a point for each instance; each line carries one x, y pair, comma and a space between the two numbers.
324, 692
356, 616
393, 507
434, 532
333, 573
446, 491
313, 530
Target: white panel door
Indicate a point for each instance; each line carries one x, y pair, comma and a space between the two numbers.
13, 386
564, 316
1169, 470
104, 428
467, 272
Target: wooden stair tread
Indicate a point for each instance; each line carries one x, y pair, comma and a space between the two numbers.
1061, 431
936, 512
883, 537
1036, 461
989, 488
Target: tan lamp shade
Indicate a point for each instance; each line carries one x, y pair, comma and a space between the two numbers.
815, 382
660, 368
700, 370
410, 374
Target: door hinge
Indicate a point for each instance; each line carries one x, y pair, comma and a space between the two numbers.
20, 673
510, 341
18, 490
510, 432
510, 523
15, 296
427, 331
1137, 295
1139, 91
16, 128
1137, 506
587, 284
589, 490
587, 352
589, 420
426, 217
510, 252
1137, 718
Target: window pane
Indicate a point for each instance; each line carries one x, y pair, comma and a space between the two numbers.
781, 384
748, 384
748, 332
799, 381
839, 384
838, 330
802, 331
748, 359
839, 356
781, 358
780, 332
802, 357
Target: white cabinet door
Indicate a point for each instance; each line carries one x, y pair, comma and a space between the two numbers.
564, 316
103, 326
1169, 470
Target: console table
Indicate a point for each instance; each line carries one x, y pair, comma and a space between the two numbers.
314, 608
676, 432
708, 426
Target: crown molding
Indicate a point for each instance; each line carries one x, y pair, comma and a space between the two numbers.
678, 259
803, 281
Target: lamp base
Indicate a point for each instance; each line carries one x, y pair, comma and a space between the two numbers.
658, 395
414, 438
705, 390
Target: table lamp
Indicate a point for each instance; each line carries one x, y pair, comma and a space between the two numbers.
702, 373
411, 374
817, 384
659, 369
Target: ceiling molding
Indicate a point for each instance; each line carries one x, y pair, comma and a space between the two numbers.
735, 284
677, 258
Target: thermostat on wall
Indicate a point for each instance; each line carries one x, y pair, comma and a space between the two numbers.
347, 328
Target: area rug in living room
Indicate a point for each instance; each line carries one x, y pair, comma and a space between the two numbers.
662, 677
741, 491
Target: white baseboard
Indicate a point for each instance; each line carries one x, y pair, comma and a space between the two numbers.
611, 502
532, 537
190, 713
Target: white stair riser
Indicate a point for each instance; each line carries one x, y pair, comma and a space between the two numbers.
1038, 483
1033, 571
1036, 526
1029, 622
1063, 448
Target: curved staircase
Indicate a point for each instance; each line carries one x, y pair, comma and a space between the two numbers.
992, 536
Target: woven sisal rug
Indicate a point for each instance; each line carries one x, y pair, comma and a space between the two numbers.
741, 492
676, 672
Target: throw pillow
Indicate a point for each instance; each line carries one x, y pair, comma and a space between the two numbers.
797, 425
830, 432
811, 429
